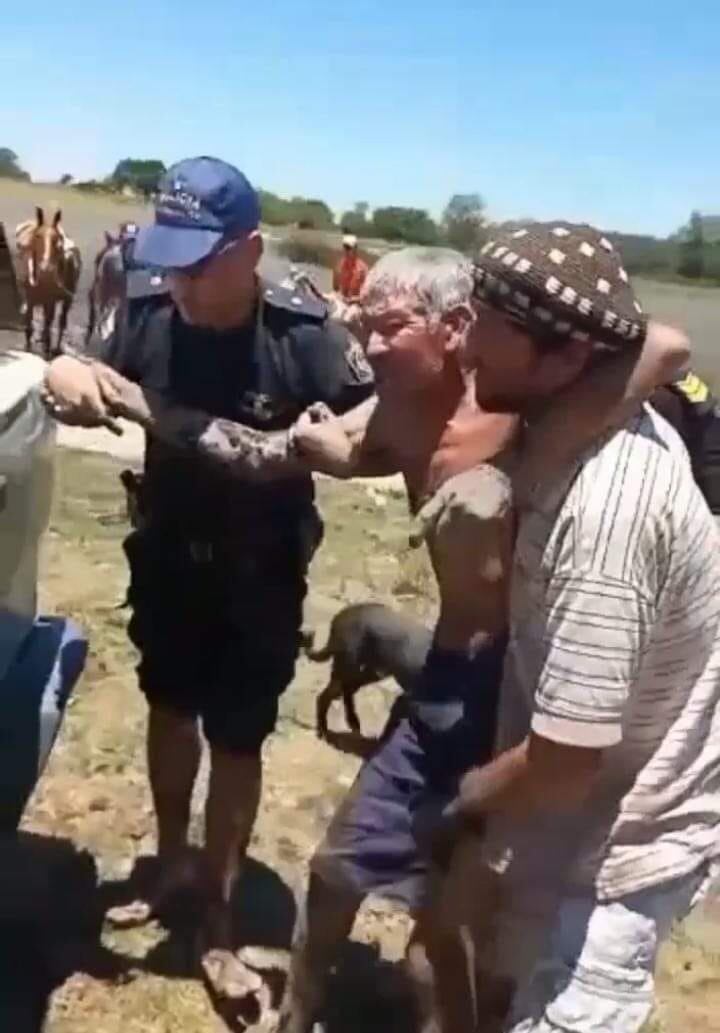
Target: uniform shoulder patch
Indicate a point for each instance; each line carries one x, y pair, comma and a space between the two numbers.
298, 302
694, 389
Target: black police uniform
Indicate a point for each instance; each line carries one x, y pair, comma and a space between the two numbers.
218, 569
690, 406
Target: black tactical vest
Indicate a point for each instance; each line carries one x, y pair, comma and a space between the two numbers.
700, 430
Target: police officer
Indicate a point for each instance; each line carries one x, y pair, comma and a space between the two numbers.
217, 368
690, 406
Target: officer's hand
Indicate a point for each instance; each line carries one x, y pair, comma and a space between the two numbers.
120, 395
319, 437
72, 395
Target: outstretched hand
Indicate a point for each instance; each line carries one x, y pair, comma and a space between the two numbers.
121, 396
320, 438
72, 395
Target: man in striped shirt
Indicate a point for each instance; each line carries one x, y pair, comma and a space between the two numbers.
602, 806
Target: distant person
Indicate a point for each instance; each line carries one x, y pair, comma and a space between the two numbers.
351, 270
218, 566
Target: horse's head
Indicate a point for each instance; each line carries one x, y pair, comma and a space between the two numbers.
47, 246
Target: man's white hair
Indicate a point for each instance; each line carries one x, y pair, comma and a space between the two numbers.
439, 278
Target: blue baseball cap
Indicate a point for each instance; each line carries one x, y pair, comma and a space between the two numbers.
199, 202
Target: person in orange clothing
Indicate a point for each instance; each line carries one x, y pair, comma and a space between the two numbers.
351, 270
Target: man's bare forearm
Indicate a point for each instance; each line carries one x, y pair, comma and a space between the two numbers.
537, 776
242, 451
368, 457
356, 421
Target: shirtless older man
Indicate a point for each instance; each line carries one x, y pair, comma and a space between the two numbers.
417, 314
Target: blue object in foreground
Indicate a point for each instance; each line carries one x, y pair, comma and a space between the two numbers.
33, 696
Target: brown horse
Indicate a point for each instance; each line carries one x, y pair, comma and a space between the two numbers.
50, 267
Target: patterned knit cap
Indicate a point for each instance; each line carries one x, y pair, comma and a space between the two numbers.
561, 280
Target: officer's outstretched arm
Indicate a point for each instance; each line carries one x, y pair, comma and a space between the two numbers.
244, 452
603, 399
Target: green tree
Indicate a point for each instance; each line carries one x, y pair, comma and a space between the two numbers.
311, 214
692, 250
464, 222
66, 179
274, 209
9, 167
142, 175
410, 225
357, 221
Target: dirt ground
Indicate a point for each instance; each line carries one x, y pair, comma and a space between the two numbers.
94, 794
91, 815
91, 819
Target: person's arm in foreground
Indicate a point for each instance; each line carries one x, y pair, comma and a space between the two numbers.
241, 450
574, 721
344, 446
594, 404
86, 394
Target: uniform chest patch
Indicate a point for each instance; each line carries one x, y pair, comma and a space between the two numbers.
261, 407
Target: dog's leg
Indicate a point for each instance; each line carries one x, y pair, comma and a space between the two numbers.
332, 691
351, 714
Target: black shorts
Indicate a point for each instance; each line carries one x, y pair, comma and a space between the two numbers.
218, 631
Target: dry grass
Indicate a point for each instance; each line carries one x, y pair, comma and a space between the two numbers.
94, 794
76, 205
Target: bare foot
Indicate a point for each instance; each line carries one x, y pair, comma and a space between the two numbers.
175, 877
230, 981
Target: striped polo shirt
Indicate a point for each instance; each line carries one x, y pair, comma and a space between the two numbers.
615, 644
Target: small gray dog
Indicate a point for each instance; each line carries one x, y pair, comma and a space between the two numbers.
368, 642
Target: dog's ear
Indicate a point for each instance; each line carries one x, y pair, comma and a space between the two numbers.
39, 216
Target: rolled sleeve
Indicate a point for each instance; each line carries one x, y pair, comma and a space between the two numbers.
596, 629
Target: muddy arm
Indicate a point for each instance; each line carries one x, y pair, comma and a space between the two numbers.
243, 451
344, 446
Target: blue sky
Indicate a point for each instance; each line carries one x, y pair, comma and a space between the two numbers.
604, 110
